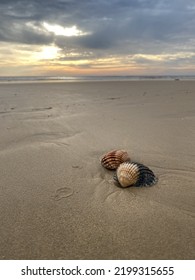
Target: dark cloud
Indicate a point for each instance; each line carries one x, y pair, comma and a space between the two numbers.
18, 32
115, 26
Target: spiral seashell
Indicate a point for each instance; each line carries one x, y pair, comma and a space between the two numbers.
134, 174
113, 159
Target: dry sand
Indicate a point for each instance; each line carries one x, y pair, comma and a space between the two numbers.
57, 202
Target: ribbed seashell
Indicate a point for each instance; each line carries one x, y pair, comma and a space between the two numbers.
134, 174
113, 159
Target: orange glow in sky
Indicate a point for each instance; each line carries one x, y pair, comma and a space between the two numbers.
97, 38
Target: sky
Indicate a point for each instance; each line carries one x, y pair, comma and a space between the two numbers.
97, 37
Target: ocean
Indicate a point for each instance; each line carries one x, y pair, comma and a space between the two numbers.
92, 78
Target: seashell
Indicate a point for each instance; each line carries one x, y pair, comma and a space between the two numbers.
113, 159
134, 174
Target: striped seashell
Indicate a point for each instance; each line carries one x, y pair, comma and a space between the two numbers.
113, 159
134, 174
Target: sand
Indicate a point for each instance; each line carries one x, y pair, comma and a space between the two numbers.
58, 202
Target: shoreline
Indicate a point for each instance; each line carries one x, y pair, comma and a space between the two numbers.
49, 79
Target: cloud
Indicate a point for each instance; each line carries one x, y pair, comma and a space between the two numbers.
104, 28
110, 22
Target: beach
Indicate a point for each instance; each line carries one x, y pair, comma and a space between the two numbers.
58, 202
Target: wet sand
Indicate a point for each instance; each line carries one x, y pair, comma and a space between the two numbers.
58, 202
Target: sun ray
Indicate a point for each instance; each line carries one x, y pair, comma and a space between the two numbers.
63, 31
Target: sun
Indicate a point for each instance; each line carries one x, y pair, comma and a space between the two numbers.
63, 31
47, 52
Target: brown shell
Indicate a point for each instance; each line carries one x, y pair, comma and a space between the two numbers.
134, 174
113, 159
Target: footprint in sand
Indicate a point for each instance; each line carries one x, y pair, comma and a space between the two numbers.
63, 193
